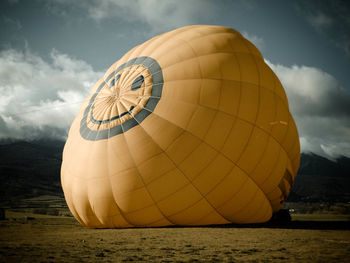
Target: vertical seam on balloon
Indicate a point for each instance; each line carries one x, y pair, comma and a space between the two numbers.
88, 197
254, 213
294, 150
191, 181
261, 157
72, 203
260, 209
201, 85
79, 218
258, 213
203, 36
208, 54
297, 157
218, 151
198, 222
248, 178
153, 41
289, 117
138, 172
272, 172
243, 208
235, 116
175, 139
138, 50
101, 224
231, 80
202, 140
154, 224
71, 164
267, 214
141, 178
239, 118
266, 146
197, 106
234, 194
111, 187
283, 141
256, 117
86, 194
269, 134
238, 106
169, 38
218, 103
205, 215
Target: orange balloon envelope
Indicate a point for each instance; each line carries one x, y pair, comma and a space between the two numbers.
190, 128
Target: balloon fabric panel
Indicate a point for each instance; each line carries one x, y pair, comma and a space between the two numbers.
189, 128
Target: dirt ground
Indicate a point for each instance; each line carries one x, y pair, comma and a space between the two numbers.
62, 239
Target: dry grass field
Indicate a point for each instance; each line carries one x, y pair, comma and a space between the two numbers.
42, 238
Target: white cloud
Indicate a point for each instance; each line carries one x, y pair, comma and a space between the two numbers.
320, 21
13, 22
321, 109
39, 99
257, 41
160, 16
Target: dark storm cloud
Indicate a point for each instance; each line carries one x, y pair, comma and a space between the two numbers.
330, 18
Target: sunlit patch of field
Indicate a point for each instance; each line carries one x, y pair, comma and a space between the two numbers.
26, 237
320, 217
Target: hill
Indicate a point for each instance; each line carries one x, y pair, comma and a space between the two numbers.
31, 169
321, 180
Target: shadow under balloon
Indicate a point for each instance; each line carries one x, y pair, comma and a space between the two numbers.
301, 225
312, 225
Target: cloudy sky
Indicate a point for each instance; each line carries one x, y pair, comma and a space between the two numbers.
52, 52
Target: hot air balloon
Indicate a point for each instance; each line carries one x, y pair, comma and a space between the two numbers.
189, 128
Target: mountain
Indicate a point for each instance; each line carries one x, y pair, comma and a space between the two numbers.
312, 164
321, 180
30, 169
